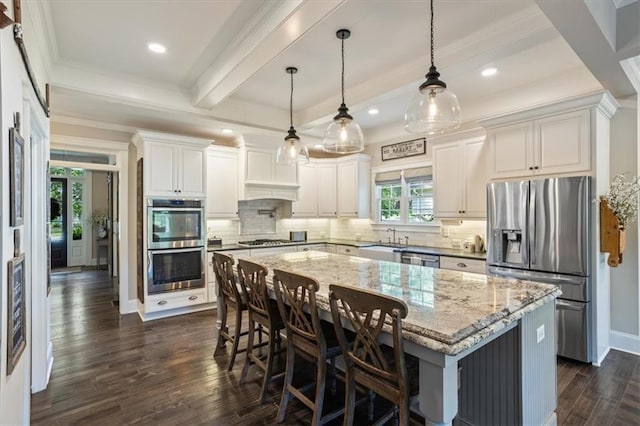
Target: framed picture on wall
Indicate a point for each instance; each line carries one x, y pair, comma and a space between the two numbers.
16, 177
17, 313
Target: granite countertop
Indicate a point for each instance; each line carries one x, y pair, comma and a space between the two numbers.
449, 311
411, 249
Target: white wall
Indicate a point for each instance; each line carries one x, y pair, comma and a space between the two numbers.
15, 89
625, 297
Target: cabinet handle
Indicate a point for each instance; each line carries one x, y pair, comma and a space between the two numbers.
356, 212
536, 167
530, 168
462, 265
347, 250
193, 297
305, 249
162, 302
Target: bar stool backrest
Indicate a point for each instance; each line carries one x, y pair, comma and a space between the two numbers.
253, 283
225, 278
367, 314
296, 297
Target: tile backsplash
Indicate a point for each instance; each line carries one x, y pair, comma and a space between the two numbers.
252, 225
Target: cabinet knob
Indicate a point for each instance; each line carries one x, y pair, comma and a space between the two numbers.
530, 168
193, 297
305, 249
462, 265
347, 251
162, 302
536, 167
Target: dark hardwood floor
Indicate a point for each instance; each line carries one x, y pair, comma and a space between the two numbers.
113, 370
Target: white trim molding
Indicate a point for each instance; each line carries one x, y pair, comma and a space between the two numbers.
625, 342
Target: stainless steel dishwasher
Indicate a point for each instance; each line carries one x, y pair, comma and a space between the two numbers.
430, 260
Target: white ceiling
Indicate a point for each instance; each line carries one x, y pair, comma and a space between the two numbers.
225, 61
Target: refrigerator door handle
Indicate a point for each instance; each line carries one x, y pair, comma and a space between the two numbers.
532, 224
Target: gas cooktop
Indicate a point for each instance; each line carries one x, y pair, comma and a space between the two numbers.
263, 242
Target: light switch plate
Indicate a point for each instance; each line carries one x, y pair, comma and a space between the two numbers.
445, 231
540, 333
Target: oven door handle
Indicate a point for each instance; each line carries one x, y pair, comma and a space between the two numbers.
180, 250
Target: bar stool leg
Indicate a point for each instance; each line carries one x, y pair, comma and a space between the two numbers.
247, 360
223, 329
288, 376
321, 379
269, 364
236, 338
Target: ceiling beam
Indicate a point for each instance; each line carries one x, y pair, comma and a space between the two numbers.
278, 26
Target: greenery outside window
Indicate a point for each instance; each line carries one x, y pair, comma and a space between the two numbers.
404, 197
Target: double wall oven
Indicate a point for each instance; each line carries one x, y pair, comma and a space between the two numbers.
176, 252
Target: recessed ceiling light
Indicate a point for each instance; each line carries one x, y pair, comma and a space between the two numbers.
156, 48
373, 111
227, 131
489, 71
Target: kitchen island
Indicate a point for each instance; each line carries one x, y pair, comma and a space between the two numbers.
501, 327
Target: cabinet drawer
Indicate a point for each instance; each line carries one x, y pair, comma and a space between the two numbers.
348, 250
464, 265
310, 247
173, 301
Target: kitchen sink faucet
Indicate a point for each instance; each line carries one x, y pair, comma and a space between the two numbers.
392, 240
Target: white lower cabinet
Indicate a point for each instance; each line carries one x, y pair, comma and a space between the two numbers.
348, 250
266, 251
476, 266
174, 300
312, 247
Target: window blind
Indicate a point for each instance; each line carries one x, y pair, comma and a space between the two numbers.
418, 174
386, 178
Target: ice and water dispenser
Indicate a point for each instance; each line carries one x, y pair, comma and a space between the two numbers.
510, 243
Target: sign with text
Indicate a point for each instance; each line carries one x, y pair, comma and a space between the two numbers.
404, 149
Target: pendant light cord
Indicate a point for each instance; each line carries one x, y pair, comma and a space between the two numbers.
432, 61
342, 70
291, 103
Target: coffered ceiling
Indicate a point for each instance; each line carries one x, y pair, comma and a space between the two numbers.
225, 61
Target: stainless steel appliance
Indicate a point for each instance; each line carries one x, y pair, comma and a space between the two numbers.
175, 223
298, 236
429, 260
263, 242
178, 269
539, 230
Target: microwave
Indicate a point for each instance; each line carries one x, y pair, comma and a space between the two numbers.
175, 224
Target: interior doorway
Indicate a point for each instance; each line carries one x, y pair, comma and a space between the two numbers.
58, 207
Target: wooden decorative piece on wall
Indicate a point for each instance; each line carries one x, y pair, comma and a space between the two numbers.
612, 235
403, 149
17, 312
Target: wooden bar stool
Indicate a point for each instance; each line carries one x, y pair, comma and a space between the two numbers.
231, 297
308, 337
264, 311
372, 365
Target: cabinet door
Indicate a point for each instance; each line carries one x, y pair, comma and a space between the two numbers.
285, 173
348, 250
511, 150
191, 172
348, 189
562, 143
447, 180
327, 190
259, 166
475, 179
307, 204
160, 165
222, 184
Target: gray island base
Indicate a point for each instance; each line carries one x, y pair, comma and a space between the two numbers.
486, 344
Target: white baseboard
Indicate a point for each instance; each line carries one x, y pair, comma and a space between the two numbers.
603, 355
128, 306
624, 342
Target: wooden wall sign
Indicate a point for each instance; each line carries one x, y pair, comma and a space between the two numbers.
404, 149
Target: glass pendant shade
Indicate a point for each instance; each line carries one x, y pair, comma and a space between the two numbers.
434, 109
343, 136
292, 151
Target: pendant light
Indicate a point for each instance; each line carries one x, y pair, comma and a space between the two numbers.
292, 151
434, 109
343, 136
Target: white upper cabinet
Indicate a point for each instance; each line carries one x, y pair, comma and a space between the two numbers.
353, 188
261, 177
307, 204
327, 188
174, 166
550, 140
222, 182
459, 179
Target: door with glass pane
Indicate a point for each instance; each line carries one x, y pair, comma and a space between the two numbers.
58, 205
77, 248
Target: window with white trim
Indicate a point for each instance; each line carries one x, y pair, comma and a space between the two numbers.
404, 197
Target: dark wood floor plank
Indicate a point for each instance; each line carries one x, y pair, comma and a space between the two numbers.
116, 370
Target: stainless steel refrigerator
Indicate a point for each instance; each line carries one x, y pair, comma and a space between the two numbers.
539, 230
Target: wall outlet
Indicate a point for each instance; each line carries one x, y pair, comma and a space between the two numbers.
445, 231
456, 243
540, 333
